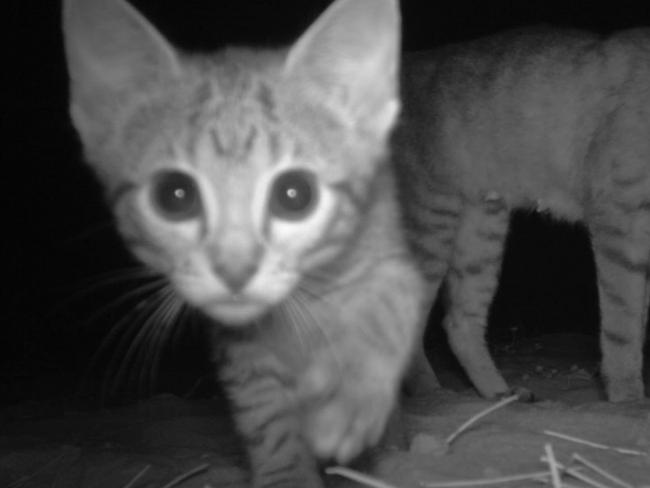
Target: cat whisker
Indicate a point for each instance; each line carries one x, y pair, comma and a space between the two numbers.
138, 310
129, 331
122, 333
114, 276
138, 280
169, 319
311, 319
150, 339
290, 312
132, 328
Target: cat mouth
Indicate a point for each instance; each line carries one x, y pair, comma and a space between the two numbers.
236, 310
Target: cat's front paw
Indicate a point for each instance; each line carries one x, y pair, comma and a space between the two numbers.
346, 402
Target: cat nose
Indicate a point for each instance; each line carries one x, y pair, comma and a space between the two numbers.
236, 275
237, 258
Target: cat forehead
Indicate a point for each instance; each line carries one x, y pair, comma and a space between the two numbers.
228, 141
236, 79
221, 149
239, 113
232, 110
234, 125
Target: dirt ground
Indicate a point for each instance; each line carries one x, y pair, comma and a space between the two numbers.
168, 441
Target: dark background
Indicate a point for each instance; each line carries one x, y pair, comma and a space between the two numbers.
57, 237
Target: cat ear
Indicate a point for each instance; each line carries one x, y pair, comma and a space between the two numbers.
110, 43
351, 54
111, 47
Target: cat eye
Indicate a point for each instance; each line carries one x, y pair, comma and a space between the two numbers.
175, 196
294, 195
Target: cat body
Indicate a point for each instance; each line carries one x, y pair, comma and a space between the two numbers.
557, 121
257, 183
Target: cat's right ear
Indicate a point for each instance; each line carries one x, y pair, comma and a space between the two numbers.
110, 47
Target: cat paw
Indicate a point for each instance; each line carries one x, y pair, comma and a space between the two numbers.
346, 405
421, 384
625, 389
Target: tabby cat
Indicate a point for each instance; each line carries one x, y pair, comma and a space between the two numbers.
556, 121
257, 182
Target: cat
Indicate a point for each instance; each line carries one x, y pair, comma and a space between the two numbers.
258, 182
557, 121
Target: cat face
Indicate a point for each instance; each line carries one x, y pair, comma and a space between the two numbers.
235, 225
239, 175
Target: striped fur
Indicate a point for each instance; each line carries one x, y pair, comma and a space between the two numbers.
315, 309
554, 121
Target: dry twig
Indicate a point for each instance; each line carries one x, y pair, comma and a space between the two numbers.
601, 471
179, 479
353, 475
24, 479
537, 476
553, 466
132, 483
577, 474
479, 416
622, 450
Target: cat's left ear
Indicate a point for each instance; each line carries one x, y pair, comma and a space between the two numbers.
351, 55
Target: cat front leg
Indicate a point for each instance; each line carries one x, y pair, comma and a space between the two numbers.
420, 379
472, 282
431, 224
262, 395
351, 388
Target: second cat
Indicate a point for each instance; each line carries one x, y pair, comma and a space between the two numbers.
553, 120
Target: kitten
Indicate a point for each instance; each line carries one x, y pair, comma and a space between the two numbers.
257, 182
558, 121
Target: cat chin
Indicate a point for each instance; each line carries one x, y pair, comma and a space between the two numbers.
236, 313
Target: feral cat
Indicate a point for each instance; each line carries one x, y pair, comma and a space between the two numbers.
558, 121
257, 182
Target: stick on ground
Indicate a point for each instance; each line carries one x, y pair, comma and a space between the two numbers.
479, 416
622, 450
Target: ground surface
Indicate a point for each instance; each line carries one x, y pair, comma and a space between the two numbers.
42, 445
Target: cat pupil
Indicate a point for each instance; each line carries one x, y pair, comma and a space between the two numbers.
293, 195
175, 196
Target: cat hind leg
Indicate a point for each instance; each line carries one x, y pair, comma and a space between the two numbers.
621, 245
